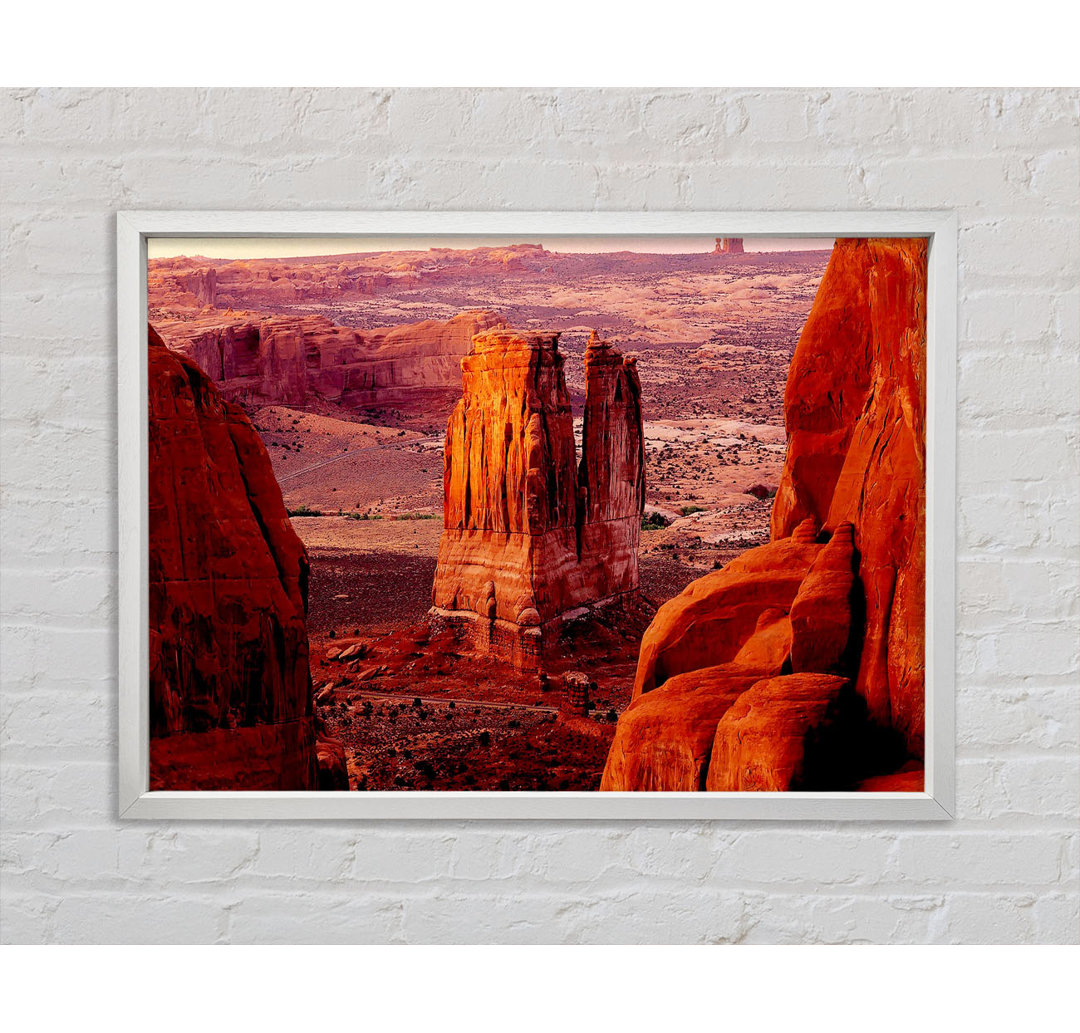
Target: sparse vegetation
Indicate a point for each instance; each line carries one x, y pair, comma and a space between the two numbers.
688, 510
303, 510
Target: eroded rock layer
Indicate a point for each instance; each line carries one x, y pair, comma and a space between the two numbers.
823, 626
529, 532
297, 360
230, 695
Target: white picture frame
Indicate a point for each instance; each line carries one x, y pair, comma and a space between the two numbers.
136, 801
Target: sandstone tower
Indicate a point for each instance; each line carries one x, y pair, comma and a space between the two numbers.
728, 246
531, 534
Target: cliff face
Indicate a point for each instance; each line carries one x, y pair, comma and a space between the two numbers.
529, 532
800, 664
855, 409
287, 360
230, 696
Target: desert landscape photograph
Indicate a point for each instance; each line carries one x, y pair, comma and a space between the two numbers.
537, 515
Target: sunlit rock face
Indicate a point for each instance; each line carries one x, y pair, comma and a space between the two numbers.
230, 692
801, 663
530, 532
855, 410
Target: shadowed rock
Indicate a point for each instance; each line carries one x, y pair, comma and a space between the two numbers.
761, 741
230, 693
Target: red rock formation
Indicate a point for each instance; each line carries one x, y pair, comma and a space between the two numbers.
530, 534
808, 619
761, 740
295, 360
728, 246
715, 616
855, 410
664, 739
230, 694
822, 617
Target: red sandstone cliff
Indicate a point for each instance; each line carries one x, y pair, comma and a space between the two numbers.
800, 664
295, 360
230, 693
529, 532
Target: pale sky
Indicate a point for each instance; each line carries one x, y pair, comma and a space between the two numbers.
295, 247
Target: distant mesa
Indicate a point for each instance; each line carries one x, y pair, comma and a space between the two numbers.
728, 246
298, 360
800, 665
230, 690
533, 532
181, 284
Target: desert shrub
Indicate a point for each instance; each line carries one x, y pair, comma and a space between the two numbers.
687, 510
305, 511
612, 716
653, 522
484, 739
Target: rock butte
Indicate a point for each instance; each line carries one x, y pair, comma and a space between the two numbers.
230, 691
800, 665
728, 246
297, 360
531, 534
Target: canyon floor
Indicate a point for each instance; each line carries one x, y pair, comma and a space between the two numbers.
714, 337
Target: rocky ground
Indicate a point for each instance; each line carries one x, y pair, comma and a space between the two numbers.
415, 711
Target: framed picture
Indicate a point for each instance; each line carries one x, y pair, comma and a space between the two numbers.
536, 515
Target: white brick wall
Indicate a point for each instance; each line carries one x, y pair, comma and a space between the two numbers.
1007, 870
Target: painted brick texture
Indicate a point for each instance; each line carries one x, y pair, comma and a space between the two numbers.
1007, 870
